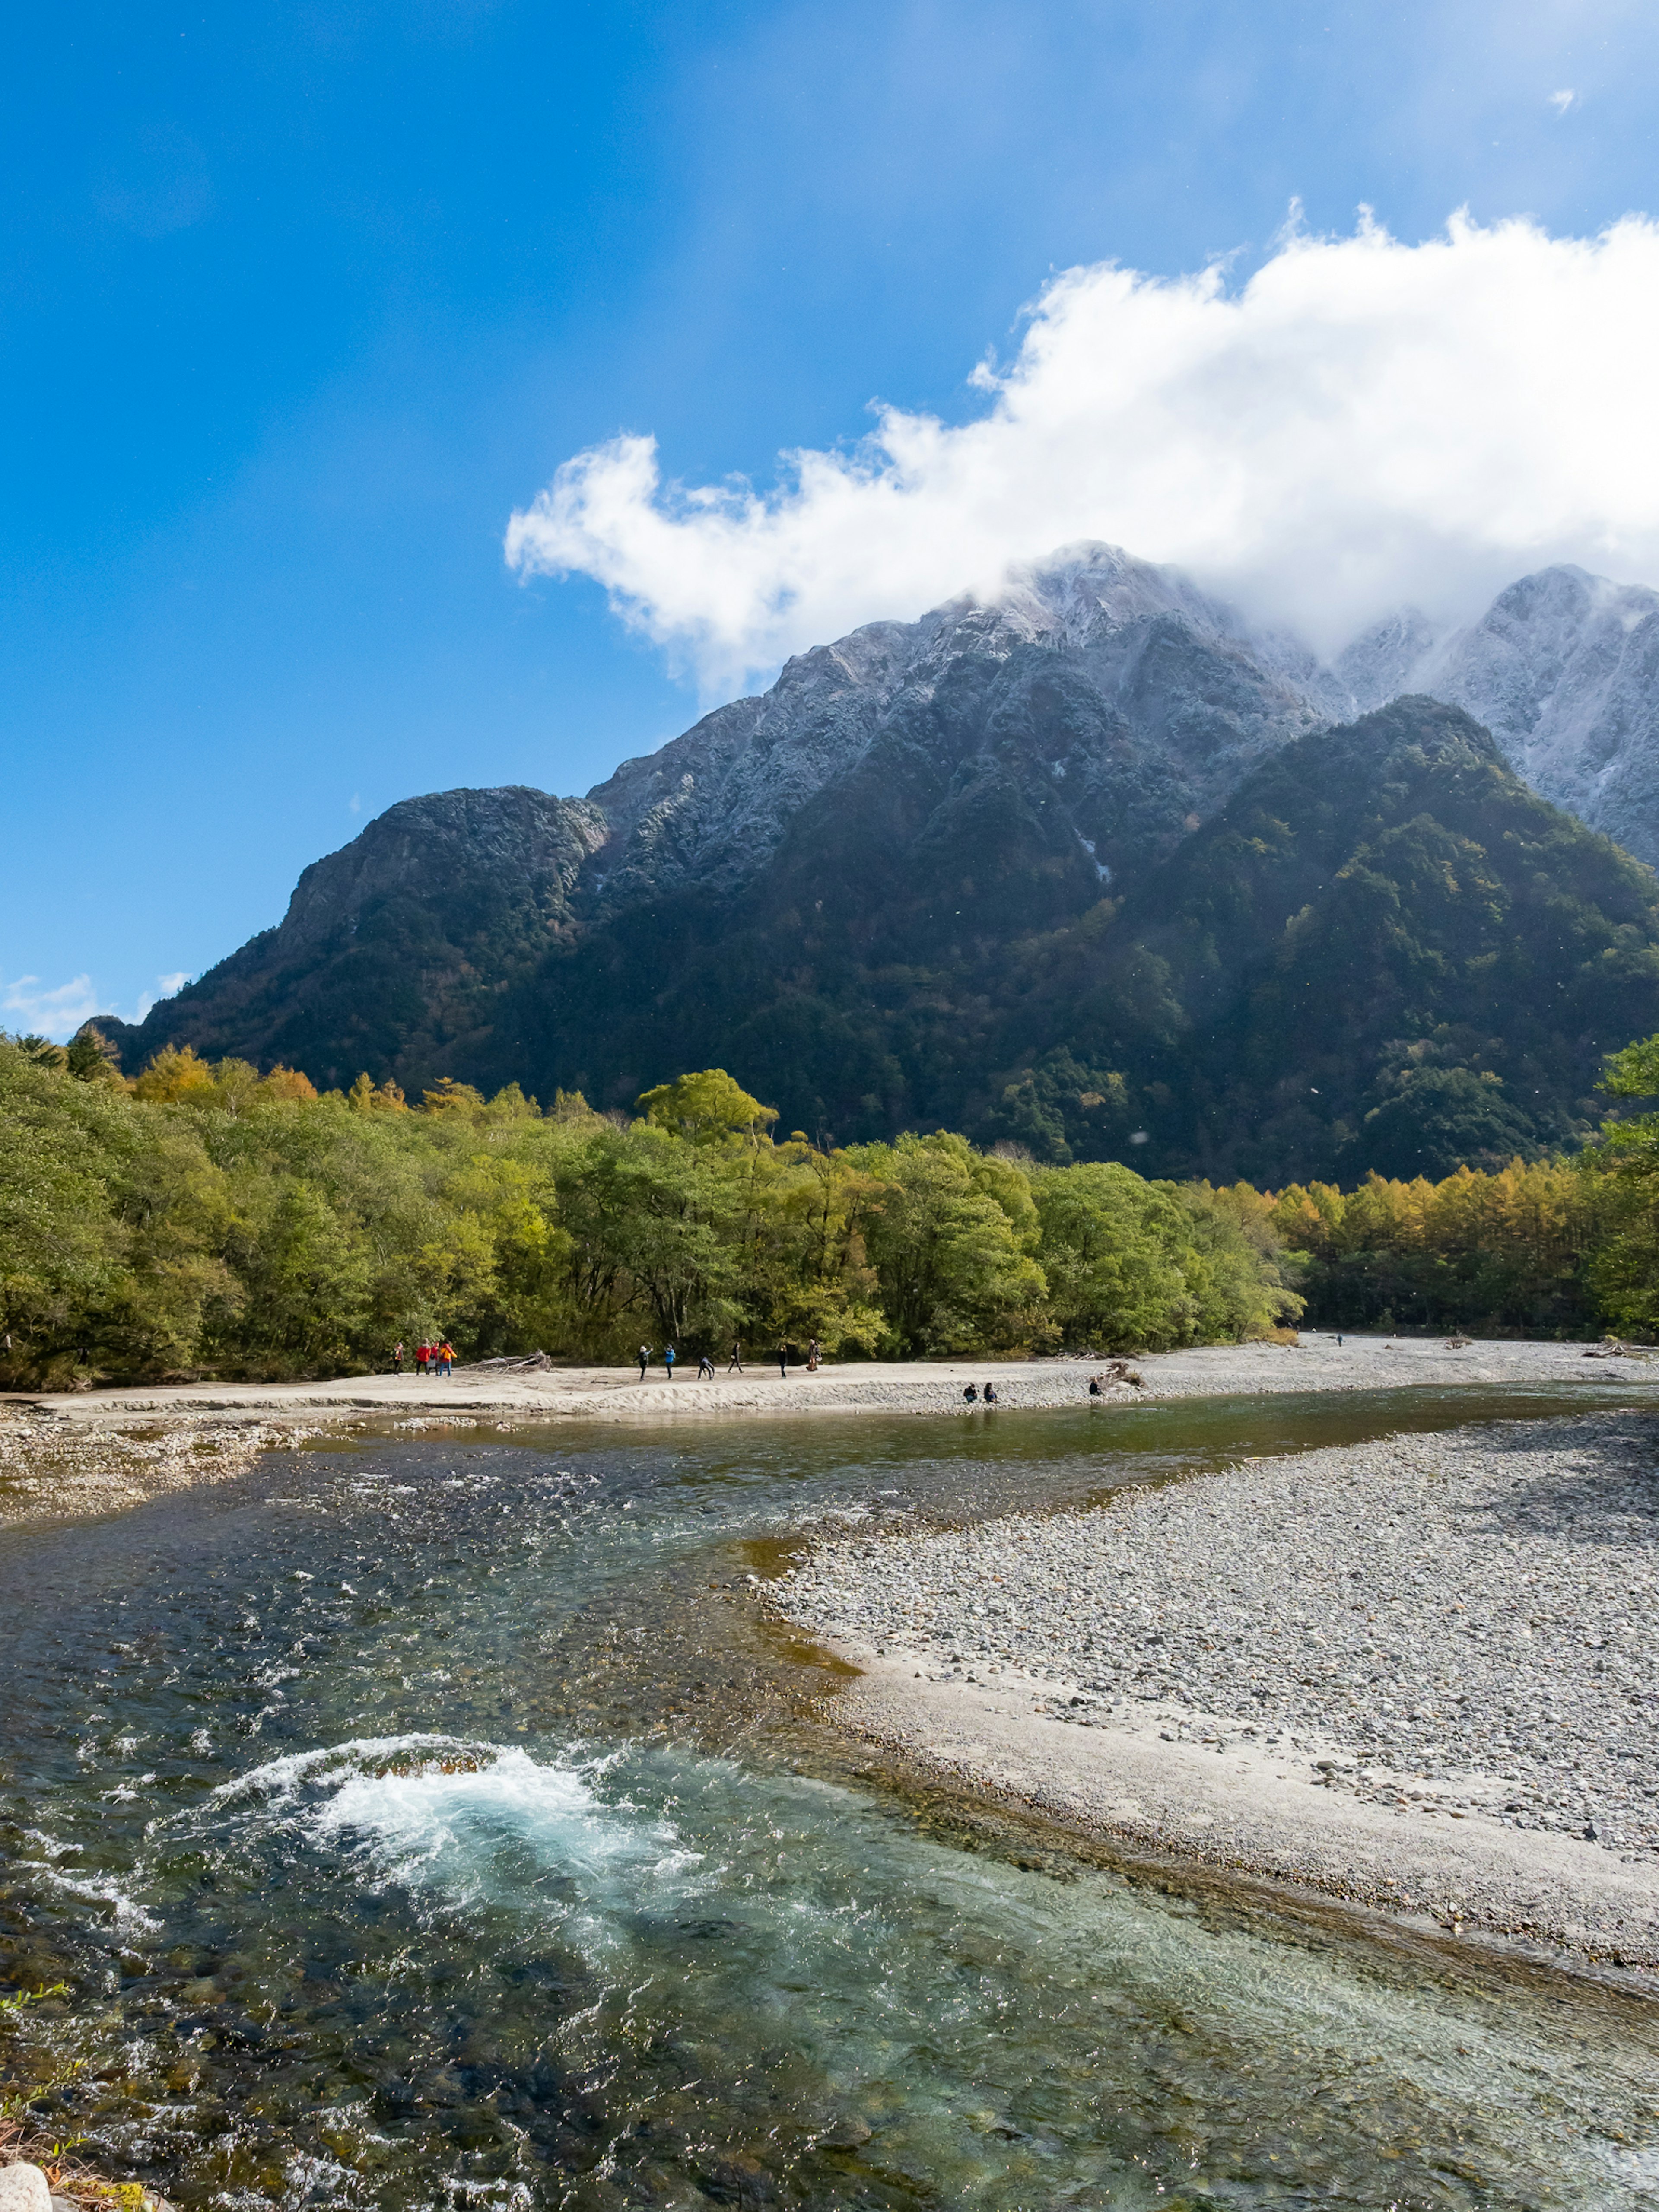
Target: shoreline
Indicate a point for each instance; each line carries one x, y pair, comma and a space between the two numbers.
1218, 1712
1315, 1362
69, 1454
1171, 1776
1243, 1812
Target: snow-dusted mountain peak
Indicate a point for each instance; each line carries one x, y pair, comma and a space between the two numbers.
1067, 597
1563, 668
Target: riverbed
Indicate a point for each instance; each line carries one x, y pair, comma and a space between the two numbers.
437, 1818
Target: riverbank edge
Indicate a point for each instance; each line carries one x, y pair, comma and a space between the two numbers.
70, 1456
1315, 1362
1550, 1901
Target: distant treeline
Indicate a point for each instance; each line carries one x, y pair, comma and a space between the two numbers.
204, 1219
1559, 1248
207, 1218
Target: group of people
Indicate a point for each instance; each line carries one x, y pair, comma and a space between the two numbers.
706, 1366
973, 1397
429, 1359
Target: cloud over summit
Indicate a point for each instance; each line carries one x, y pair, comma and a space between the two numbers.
1362, 423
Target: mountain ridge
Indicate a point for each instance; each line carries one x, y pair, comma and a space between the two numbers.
910, 806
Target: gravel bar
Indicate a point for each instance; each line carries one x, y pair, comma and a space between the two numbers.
1451, 1625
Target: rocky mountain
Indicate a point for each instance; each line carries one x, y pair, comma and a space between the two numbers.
1139, 699
1563, 669
1037, 866
1091, 716
395, 951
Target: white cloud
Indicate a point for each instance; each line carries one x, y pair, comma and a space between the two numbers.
1362, 423
1561, 101
56, 1011
169, 985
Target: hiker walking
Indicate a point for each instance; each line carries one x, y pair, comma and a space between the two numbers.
668, 1360
705, 1367
736, 1360
398, 1358
644, 1359
813, 1356
446, 1356
422, 1358
783, 1361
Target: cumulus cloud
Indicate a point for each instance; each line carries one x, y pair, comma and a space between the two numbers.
52, 1010
1363, 422
57, 1010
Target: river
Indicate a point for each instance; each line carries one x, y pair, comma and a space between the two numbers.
433, 1819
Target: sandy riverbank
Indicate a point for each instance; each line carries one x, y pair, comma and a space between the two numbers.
99, 1450
1416, 1673
1317, 1363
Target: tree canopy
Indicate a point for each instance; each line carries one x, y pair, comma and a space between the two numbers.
205, 1217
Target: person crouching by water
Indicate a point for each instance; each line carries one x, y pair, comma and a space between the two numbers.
991, 1393
971, 1395
705, 1367
1094, 1390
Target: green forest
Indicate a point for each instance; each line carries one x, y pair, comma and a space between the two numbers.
202, 1218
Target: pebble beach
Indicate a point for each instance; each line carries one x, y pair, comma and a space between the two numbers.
1426, 1629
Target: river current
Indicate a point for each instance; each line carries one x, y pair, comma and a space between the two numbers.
433, 1819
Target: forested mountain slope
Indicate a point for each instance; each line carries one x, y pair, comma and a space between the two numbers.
1100, 707
1087, 866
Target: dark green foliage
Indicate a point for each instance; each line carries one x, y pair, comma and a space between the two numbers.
1384, 952
1374, 906
1440, 1117
1625, 1267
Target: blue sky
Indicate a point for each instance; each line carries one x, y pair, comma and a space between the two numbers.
302, 301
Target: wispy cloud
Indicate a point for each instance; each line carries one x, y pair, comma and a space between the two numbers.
57, 1010
168, 986
54, 1010
1362, 421
1561, 101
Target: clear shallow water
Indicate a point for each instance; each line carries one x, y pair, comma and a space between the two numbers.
432, 1821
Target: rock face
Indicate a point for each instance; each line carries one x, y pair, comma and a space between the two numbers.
393, 949
1137, 698
1084, 721
1040, 867
1563, 669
